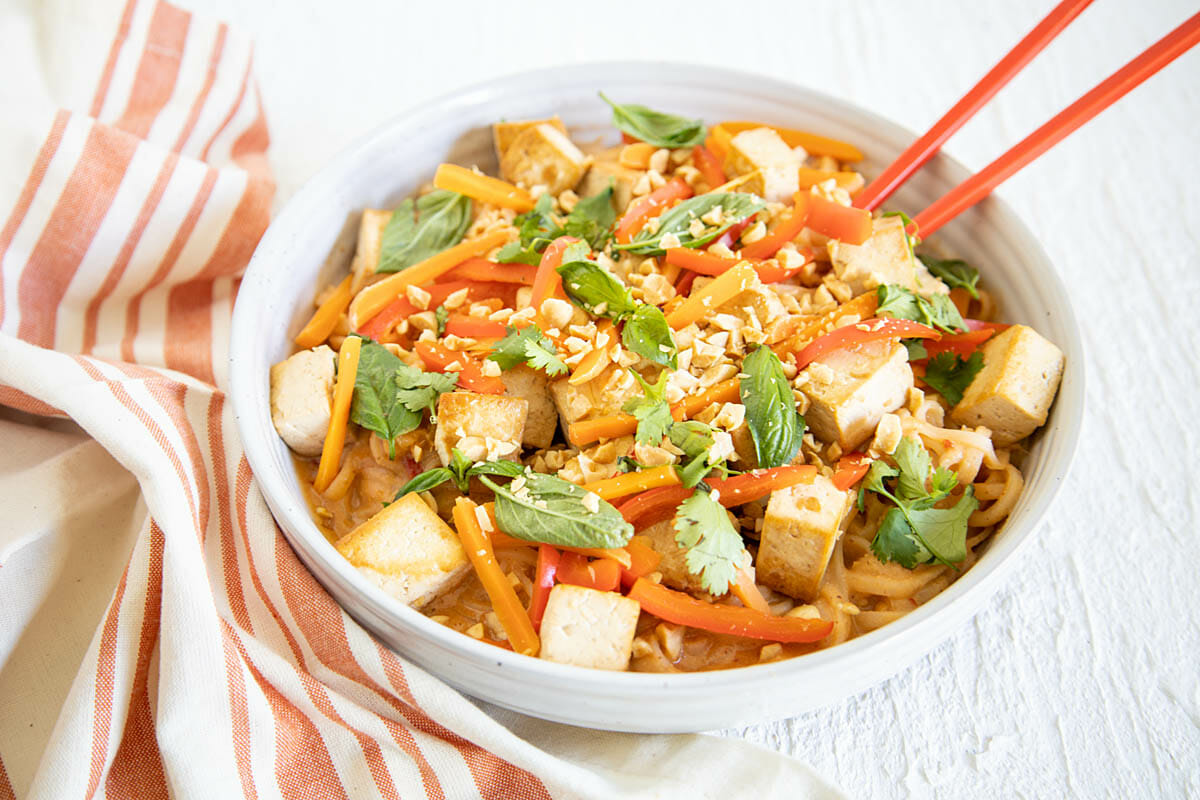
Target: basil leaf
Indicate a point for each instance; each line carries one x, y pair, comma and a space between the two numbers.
377, 404
460, 469
647, 333
414, 233
950, 375
655, 127
507, 469
714, 547
425, 481
515, 253
595, 289
677, 221
771, 414
592, 218
696, 441
954, 272
543, 508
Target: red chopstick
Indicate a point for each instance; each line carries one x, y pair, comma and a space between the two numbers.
1107, 92
924, 148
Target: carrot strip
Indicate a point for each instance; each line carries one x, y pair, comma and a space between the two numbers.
683, 609
371, 300
723, 392
746, 590
325, 318
512, 615
721, 290
343, 393
483, 188
633, 482
812, 143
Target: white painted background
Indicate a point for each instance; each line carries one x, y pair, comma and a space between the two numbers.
1081, 678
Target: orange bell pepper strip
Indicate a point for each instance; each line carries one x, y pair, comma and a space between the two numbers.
658, 504
547, 282
705, 263
785, 230
480, 269
483, 188
718, 142
871, 330
343, 393
325, 318
587, 431
810, 177
644, 559
543, 582
474, 327
850, 470
683, 609
704, 301
812, 143
512, 615
844, 223
709, 166
862, 307
634, 482
438, 357
650, 206
602, 575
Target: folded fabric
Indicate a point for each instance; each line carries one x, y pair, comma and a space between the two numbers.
134, 184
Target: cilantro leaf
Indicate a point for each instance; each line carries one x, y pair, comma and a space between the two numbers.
424, 228
656, 127
696, 440
527, 345
418, 391
936, 311
944, 530
895, 541
592, 218
537, 227
516, 253
915, 464
879, 472
954, 272
714, 547
652, 411
647, 333
441, 315
950, 375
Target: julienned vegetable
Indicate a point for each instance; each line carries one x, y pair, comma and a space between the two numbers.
659, 391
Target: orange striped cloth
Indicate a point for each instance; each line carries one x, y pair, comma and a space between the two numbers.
134, 185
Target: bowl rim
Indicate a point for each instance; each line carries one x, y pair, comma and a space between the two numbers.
976, 584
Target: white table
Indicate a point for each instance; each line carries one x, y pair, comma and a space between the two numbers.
1081, 676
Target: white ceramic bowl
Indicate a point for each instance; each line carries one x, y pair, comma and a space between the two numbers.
313, 238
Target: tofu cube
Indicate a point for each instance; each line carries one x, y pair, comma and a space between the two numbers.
370, 242
764, 150
533, 387
607, 169
486, 427
799, 531
743, 445
1012, 394
850, 390
589, 628
543, 156
601, 396
673, 566
505, 133
407, 550
884, 258
302, 399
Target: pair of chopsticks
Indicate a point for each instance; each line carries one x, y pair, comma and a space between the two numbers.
979, 185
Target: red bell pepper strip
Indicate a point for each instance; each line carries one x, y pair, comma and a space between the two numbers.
961, 344
707, 263
683, 609
850, 470
644, 560
683, 287
437, 357
784, 231
547, 282
649, 206
547, 567
709, 166
480, 269
978, 325
603, 574
869, 330
474, 327
401, 308
773, 272
735, 231
846, 224
657, 504
628, 139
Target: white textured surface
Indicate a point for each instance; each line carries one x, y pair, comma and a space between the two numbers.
1081, 677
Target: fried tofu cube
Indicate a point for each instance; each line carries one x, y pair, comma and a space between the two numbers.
763, 149
543, 156
302, 399
486, 427
743, 445
607, 169
407, 550
799, 531
1012, 394
849, 391
533, 386
589, 628
370, 242
505, 133
884, 258
601, 396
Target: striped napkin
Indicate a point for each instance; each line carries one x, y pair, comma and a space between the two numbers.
134, 185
